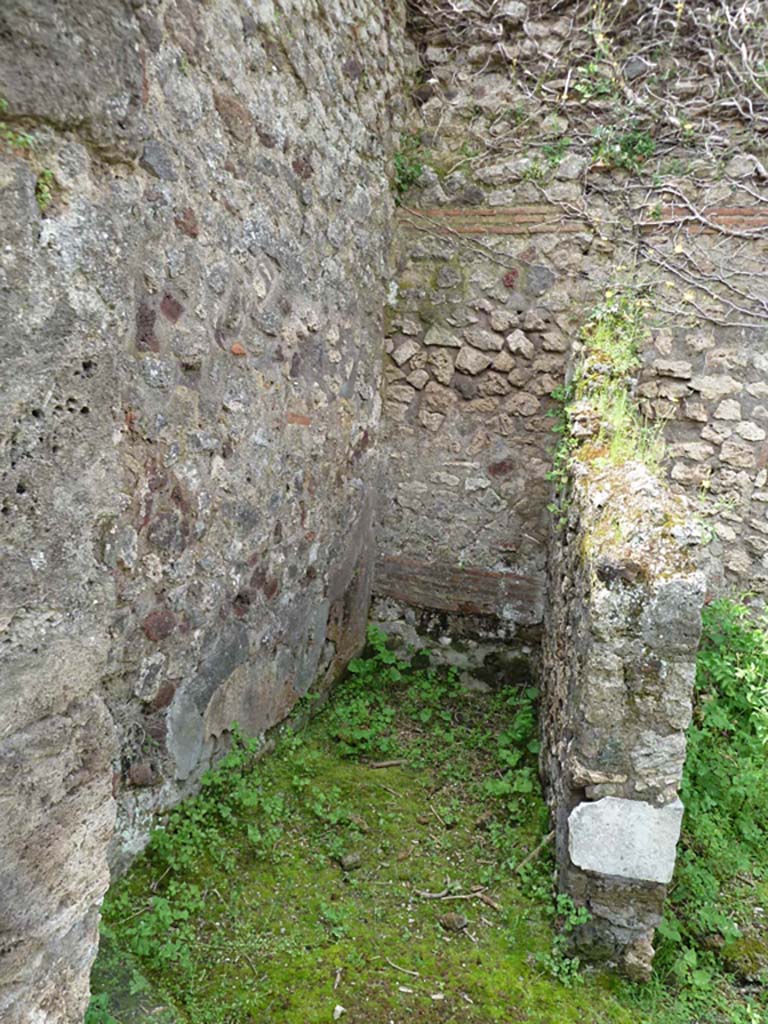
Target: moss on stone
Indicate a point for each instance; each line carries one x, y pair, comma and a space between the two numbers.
747, 956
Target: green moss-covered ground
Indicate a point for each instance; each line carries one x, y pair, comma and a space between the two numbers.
315, 879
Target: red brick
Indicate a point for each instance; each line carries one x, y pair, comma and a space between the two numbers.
159, 624
186, 222
171, 308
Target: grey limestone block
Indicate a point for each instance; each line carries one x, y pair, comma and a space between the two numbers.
627, 838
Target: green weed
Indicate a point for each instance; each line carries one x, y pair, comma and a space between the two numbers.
723, 853
215, 893
44, 189
628, 150
555, 152
216, 924
535, 172
594, 82
712, 949
596, 418
9, 135
562, 966
98, 1010
408, 165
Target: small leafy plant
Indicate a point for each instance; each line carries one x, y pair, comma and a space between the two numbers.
9, 135
44, 189
710, 941
555, 152
627, 150
98, 1010
215, 924
535, 172
558, 962
725, 792
593, 82
408, 165
517, 774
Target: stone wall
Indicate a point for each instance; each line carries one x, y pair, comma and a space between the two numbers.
487, 301
706, 375
618, 664
198, 226
530, 202
544, 171
195, 261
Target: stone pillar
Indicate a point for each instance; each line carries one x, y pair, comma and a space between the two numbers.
618, 668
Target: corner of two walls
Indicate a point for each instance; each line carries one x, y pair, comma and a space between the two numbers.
197, 440
488, 307
511, 234
192, 353
478, 336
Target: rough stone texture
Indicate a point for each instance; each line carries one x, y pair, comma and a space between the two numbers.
499, 261
618, 664
482, 659
56, 744
191, 357
193, 397
716, 430
466, 461
463, 513
521, 239
76, 67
